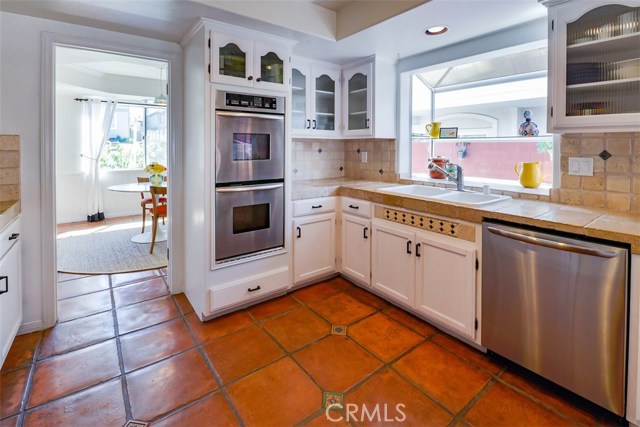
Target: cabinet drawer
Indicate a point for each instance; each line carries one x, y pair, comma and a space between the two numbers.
356, 207
8, 236
314, 206
246, 290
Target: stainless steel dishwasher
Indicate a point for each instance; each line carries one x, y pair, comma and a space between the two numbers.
558, 307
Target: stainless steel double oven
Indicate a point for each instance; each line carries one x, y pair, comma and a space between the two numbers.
249, 174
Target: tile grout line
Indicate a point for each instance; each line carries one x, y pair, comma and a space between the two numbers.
27, 390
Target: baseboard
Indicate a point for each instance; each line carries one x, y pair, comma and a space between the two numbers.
27, 328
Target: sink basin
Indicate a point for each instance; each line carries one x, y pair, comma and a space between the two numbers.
470, 198
463, 198
416, 190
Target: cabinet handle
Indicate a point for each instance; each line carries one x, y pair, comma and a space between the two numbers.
308, 124
250, 78
354, 207
314, 123
14, 236
409, 247
6, 284
257, 288
299, 235
258, 79
418, 250
316, 207
366, 124
364, 232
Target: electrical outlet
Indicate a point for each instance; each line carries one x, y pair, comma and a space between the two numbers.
363, 156
581, 166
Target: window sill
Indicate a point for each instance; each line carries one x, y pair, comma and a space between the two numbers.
477, 184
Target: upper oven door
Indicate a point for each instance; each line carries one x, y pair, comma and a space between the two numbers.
249, 147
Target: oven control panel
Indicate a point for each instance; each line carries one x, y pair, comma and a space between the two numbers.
250, 101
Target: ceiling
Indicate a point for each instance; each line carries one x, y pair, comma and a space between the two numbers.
332, 30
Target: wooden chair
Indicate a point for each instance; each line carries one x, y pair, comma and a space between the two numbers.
157, 210
145, 202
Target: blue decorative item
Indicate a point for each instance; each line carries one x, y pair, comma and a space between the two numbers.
528, 128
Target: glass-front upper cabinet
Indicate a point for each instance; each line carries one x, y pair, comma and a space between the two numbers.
594, 66
315, 93
358, 100
244, 62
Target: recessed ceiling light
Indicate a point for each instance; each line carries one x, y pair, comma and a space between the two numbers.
436, 30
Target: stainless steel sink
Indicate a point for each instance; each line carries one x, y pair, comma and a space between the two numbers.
463, 198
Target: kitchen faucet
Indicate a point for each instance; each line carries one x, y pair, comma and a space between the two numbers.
458, 179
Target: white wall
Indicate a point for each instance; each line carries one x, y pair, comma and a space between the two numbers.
21, 72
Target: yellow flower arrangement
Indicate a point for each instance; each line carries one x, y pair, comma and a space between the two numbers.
155, 168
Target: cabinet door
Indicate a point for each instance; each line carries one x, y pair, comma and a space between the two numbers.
231, 60
356, 248
271, 67
392, 262
358, 115
314, 252
300, 89
11, 300
446, 282
325, 101
595, 66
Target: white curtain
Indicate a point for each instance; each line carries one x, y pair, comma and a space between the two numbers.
97, 117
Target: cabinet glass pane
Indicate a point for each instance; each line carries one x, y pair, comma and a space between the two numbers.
603, 62
233, 61
325, 103
298, 100
357, 93
271, 68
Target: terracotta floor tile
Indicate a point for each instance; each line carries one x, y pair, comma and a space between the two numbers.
384, 337
99, 406
241, 352
125, 278
22, 350
280, 394
341, 284
149, 345
70, 372
548, 397
502, 406
342, 309
163, 386
442, 375
140, 291
404, 404
297, 328
316, 292
81, 286
336, 363
9, 422
141, 315
12, 386
368, 298
467, 352
273, 307
322, 421
411, 322
202, 413
84, 305
77, 333
183, 303
219, 327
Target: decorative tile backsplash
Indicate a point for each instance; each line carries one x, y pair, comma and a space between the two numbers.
9, 168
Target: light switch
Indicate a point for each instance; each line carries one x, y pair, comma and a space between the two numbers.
582, 166
363, 156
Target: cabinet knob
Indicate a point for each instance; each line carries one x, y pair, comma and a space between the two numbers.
258, 79
4, 279
257, 288
250, 78
14, 236
308, 124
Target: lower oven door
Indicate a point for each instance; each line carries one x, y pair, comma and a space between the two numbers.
249, 219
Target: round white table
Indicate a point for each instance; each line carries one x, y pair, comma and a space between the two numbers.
142, 187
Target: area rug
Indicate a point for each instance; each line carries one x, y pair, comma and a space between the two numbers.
107, 251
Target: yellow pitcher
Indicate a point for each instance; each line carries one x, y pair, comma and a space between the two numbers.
530, 174
433, 129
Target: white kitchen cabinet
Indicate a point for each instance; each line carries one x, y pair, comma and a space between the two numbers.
314, 241
10, 286
446, 281
594, 66
355, 241
315, 97
369, 99
258, 62
393, 262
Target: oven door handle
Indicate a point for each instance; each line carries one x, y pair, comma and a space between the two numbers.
242, 188
250, 115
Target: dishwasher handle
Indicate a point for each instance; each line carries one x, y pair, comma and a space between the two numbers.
552, 244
